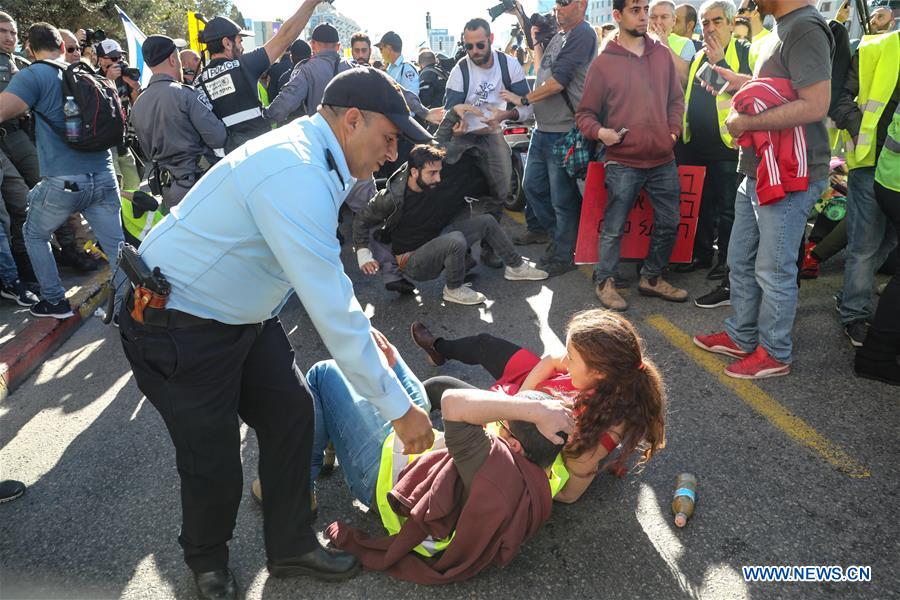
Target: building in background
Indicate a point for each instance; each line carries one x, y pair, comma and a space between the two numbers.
599, 12
326, 13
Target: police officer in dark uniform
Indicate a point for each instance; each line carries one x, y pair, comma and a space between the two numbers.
174, 123
230, 78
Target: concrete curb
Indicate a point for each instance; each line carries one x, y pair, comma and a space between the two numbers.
22, 355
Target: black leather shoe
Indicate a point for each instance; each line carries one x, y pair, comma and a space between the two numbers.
216, 585
400, 286
692, 266
326, 564
425, 340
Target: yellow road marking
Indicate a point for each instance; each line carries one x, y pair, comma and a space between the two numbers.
794, 427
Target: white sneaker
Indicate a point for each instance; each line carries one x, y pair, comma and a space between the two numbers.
525, 272
463, 295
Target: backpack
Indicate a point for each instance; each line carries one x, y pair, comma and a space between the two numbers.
504, 72
103, 120
432, 93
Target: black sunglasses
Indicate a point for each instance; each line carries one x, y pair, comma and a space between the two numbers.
751, 6
564, 2
72, 49
479, 45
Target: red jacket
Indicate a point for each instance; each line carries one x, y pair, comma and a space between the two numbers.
782, 154
508, 502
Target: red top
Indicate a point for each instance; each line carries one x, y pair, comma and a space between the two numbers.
518, 368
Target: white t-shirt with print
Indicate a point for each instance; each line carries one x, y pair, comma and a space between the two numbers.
485, 86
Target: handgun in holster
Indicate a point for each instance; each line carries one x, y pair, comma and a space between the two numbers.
151, 289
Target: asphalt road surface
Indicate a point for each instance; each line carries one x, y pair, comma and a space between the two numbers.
795, 471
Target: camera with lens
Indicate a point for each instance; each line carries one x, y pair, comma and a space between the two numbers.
133, 74
92, 36
547, 27
503, 7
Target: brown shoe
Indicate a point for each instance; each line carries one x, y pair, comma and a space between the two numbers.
659, 287
424, 340
609, 297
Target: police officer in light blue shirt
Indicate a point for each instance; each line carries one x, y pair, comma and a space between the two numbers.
402, 71
258, 227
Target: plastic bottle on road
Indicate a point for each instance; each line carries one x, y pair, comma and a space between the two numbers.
72, 120
685, 496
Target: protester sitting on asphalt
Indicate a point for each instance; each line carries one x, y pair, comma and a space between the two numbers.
452, 503
431, 233
618, 393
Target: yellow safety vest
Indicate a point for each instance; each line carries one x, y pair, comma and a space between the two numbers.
888, 171
138, 227
879, 67
263, 93
723, 101
757, 45
677, 43
393, 461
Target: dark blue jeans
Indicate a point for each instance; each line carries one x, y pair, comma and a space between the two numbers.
716, 209
552, 195
622, 186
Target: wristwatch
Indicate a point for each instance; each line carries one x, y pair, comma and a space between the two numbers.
524, 100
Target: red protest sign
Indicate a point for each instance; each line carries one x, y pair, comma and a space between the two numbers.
639, 225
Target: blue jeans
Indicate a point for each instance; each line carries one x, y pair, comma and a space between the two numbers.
353, 425
49, 206
552, 195
762, 257
623, 184
869, 242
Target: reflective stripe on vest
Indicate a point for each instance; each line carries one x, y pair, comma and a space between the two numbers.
888, 171
757, 45
393, 461
879, 64
244, 115
138, 227
723, 101
263, 93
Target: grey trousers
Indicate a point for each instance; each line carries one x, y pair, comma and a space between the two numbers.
13, 204
447, 252
496, 164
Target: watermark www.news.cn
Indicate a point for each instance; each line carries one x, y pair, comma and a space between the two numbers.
800, 574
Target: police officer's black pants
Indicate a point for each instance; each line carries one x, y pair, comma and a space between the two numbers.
201, 379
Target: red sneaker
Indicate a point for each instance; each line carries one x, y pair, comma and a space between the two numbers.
810, 267
758, 365
720, 343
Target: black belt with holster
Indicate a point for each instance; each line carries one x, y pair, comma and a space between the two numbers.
167, 318
162, 178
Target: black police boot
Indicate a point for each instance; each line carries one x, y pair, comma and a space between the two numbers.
401, 286
326, 564
216, 585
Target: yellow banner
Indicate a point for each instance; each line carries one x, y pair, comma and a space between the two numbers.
195, 26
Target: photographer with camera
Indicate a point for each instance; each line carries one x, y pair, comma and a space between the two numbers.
563, 60
174, 123
73, 180
110, 61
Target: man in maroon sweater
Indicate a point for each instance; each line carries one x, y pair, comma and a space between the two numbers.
633, 85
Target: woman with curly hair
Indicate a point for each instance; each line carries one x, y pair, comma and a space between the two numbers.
618, 394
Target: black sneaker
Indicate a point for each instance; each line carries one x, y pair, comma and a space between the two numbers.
721, 296
557, 267
19, 294
857, 331
401, 286
60, 310
10, 490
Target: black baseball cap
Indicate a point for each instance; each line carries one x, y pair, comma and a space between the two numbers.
391, 39
300, 49
221, 27
369, 89
157, 48
325, 33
